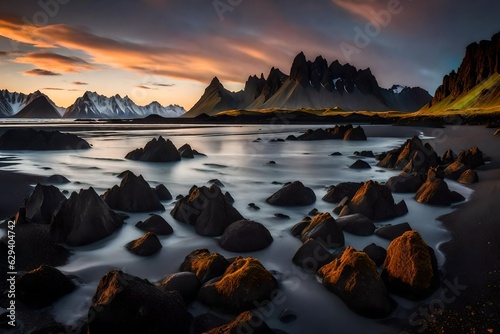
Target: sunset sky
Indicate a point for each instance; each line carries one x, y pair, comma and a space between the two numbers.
169, 50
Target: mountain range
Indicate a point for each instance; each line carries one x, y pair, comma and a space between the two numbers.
90, 105
475, 86
312, 84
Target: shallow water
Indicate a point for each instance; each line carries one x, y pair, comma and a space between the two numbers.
242, 166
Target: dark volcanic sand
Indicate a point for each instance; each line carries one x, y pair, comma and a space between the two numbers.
473, 253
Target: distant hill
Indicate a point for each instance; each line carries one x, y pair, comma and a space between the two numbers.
314, 85
475, 86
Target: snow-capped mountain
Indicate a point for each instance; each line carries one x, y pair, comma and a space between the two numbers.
11, 103
93, 105
34, 105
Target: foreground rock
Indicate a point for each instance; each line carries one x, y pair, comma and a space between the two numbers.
356, 133
35, 247
405, 183
410, 268
312, 255
336, 194
245, 236
205, 265
148, 245
412, 157
207, 209
469, 176
356, 224
376, 253
360, 164
41, 140
157, 150
435, 191
355, 279
374, 201
155, 224
244, 284
42, 286
186, 283
472, 157
163, 193
324, 229
187, 152
84, 218
127, 304
246, 322
133, 195
392, 232
43, 203
293, 194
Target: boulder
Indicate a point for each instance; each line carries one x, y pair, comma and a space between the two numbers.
127, 304
57, 179
312, 255
434, 192
228, 197
366, 154
244, 284
356, 224
335, 194
299, 227
355, 279
186, 283
391, 232
293, 194
454, 170
157, 150
42, 286
206, 322
40, 140
148, 245
186, 151
43, 203
35, 247
356, 133
448, 157
404, 183
324, 229
246, 322
376, 253
412, 156
472, 157
207, 209
155, 224
84, 218
469, 176
245, 236
205, 265
162, 193
133, 195
374, 201
410, 268
360, 164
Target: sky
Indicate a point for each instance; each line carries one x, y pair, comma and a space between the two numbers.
169, 50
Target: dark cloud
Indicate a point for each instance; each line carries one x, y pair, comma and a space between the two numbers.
144, 87
79, 83
38, 71
53, 88
160, 84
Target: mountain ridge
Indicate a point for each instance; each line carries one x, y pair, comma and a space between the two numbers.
311, 84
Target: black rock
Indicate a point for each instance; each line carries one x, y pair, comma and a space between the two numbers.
155, 224
163, 193
357, 224
133, 195
245, 236
148, 245
391, 232
127, 304
337, 193
83, 219
57, 179
40, 140
312, 255
42, 286
294, 194
186, 283
360, 164
160, 150
376, 253
43, 203
281, 216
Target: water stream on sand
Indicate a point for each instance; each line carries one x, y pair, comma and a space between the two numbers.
242, 166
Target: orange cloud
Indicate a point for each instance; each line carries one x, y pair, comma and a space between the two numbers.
54, 61
362, 8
